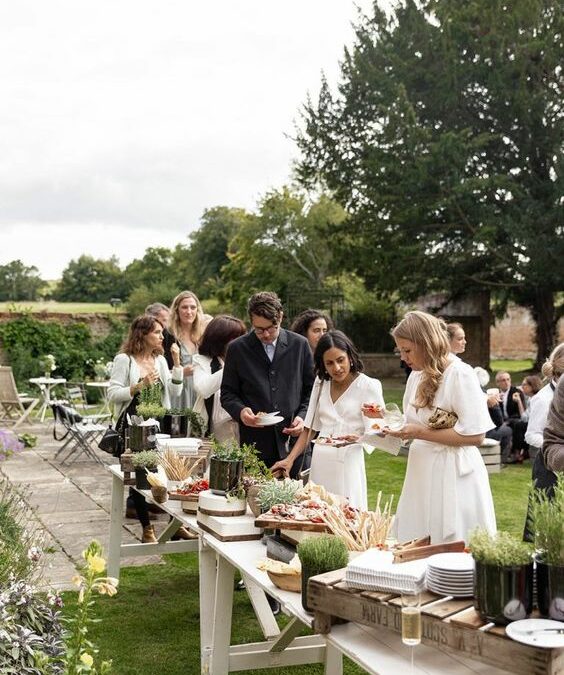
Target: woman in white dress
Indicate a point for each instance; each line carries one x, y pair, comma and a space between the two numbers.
208, 373
335, 410
446, 492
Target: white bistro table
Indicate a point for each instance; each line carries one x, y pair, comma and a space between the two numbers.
103, 388
45, 385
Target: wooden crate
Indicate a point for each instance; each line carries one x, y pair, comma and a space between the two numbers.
449, 625
491, 454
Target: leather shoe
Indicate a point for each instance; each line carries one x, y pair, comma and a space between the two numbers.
274, 605
184, 533
148, 535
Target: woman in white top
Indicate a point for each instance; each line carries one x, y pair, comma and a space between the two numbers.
446, 492
335, 410
456, 338
141, 364
208, 373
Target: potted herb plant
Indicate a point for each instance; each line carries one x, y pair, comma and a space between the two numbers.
255, 475
319, 555
503, 579
277, 492
146, 460
548, 528
143, 437
226, 467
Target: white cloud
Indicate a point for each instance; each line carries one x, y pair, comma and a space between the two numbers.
138, 115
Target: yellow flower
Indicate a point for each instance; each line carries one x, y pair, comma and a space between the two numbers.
77, 580
87, 659
96, 564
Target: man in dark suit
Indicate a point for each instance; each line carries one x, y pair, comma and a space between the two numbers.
268, 369
510, 411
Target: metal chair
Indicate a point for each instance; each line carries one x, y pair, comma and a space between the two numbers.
81, 433
14, 408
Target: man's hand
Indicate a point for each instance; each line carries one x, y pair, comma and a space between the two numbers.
248, 418
493, 400
296, 428
283, 466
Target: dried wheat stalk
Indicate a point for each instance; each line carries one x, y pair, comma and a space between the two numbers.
178, 467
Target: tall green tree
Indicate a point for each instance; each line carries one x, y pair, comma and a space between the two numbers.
19, 282
88, 279
444, 141
285, 246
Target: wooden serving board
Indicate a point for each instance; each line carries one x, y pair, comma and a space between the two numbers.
183, 498
237, 528
449, 625
273, 523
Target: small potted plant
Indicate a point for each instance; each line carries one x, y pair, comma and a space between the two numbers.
503, 579
255, 475
319, 555
226, 467
142, 436
548, 528
48, 364
144, 461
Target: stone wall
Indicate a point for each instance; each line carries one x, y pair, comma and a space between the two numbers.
513, 337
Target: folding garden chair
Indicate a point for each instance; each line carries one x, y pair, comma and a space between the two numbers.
79, 433
14, 408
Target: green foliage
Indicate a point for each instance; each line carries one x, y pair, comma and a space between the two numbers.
141, 296
91, 280
26, 339
228, 451
501, 550
444, 140
323, 554
548, 523
29, 440
18, 282
18, 535
254, 468
146, 458
150, 410
277, 492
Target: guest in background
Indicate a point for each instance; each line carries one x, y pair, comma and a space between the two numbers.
208, 373
530, 386
140, 364
160, 312
186, 327
510, 411
456, 338
312, 324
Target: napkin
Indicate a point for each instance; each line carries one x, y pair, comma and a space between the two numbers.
374, 570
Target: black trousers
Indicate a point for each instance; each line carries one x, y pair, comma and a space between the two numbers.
140, 504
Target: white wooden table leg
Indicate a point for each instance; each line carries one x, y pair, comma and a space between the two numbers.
333, 660
116, 524
262, 609
223, 611
207, 561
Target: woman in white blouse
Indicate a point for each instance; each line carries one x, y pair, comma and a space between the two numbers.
208, 372
141, 364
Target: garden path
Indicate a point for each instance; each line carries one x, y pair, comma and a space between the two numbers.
71, 502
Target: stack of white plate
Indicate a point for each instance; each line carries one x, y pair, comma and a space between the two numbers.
183, 446
451, 574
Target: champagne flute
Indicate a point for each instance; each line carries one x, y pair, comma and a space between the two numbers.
393, 416
411, 621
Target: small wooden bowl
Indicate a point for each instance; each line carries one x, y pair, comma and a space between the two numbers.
286, 582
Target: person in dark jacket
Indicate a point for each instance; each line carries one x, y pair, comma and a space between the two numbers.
269, 369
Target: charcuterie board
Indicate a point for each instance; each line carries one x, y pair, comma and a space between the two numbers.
272, 523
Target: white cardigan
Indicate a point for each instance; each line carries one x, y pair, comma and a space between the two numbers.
540, 405
208, 384
124, 376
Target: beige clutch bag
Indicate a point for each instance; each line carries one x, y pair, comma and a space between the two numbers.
442, 419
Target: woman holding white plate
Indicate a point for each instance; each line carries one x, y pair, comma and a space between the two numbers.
335, 413
446, 492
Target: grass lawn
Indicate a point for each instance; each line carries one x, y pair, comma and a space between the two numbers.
64, 307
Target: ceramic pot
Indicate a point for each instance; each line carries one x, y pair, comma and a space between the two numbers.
141, 481
175, 425
224, 475
143, 438
550, 590
503, 594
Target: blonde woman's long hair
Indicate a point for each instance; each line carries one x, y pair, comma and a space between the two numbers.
198, 325
430, 334
553, 367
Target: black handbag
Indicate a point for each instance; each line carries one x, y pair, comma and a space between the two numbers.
111, 442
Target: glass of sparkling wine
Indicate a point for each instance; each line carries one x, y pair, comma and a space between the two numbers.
411, 621
393, 417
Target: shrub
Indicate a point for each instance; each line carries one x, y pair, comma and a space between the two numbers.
500, 550
548, 523
323, 554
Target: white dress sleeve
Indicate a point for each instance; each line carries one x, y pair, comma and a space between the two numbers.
468, 401
540, 404
314, 402
206, 383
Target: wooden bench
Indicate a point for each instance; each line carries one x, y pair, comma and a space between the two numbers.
491, 454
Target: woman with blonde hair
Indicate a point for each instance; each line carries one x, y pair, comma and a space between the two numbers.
446, 492
457, 337
186, 327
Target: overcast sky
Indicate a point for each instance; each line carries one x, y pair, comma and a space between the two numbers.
122, 121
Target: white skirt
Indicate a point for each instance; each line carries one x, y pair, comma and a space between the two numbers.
341, 471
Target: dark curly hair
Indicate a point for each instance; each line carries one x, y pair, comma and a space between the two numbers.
335, 338
218, 333
266, 304
303, 321
140, 327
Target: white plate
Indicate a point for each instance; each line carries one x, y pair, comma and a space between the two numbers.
517, 631
269, 421
456, 562
270, 414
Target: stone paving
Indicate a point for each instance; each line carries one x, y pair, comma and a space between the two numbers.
71, 502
